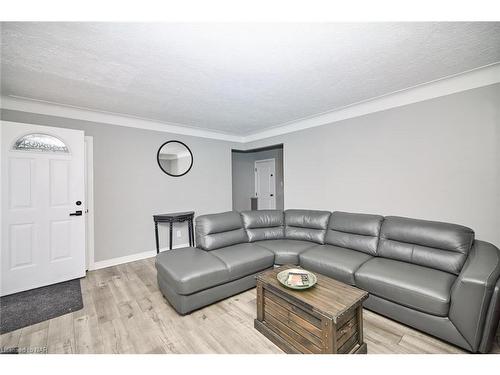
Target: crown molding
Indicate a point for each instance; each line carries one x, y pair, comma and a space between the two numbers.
55, 109
472, 79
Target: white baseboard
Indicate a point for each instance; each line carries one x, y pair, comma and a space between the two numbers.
129, 258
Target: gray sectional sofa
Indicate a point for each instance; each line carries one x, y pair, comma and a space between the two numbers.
433, 276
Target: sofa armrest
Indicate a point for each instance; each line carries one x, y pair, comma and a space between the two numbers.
491, 321
471, 293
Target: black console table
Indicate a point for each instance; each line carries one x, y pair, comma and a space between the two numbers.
175, 217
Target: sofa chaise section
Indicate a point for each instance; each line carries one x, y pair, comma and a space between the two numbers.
224, 264
191, 278
190, 270
244, 259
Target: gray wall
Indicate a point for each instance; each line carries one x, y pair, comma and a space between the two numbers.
437, 160
243, 181
129, 187
244, 177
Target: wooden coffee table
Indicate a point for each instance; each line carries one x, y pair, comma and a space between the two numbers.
327, 318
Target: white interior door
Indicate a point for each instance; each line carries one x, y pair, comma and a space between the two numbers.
43, 226
265, 184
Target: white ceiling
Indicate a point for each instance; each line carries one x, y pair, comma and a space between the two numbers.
233, 78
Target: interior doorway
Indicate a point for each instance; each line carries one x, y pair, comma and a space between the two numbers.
265, 184
258, 181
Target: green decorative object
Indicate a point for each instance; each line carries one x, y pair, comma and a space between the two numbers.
284, 278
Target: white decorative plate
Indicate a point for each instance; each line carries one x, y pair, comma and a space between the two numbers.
283, 277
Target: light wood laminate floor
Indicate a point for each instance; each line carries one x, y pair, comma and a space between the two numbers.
124, 312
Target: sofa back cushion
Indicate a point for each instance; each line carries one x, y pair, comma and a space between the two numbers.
354, 231
264, 224
306, 225
433, 244
219, 230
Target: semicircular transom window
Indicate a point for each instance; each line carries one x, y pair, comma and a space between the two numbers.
40, 142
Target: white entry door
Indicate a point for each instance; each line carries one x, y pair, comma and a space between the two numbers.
43, 225
265, 184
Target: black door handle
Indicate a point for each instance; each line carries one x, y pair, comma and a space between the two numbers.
272, 195
76, 213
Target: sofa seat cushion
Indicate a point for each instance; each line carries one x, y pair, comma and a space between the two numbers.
420, 288
333, 261
286, 251
244, 259
190, 270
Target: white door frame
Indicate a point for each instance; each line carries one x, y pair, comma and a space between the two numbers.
89, 199
255, 178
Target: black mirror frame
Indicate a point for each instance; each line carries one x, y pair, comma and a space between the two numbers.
158, 158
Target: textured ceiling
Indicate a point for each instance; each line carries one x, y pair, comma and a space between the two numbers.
234, 78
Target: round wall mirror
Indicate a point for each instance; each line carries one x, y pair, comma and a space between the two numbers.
174, 158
